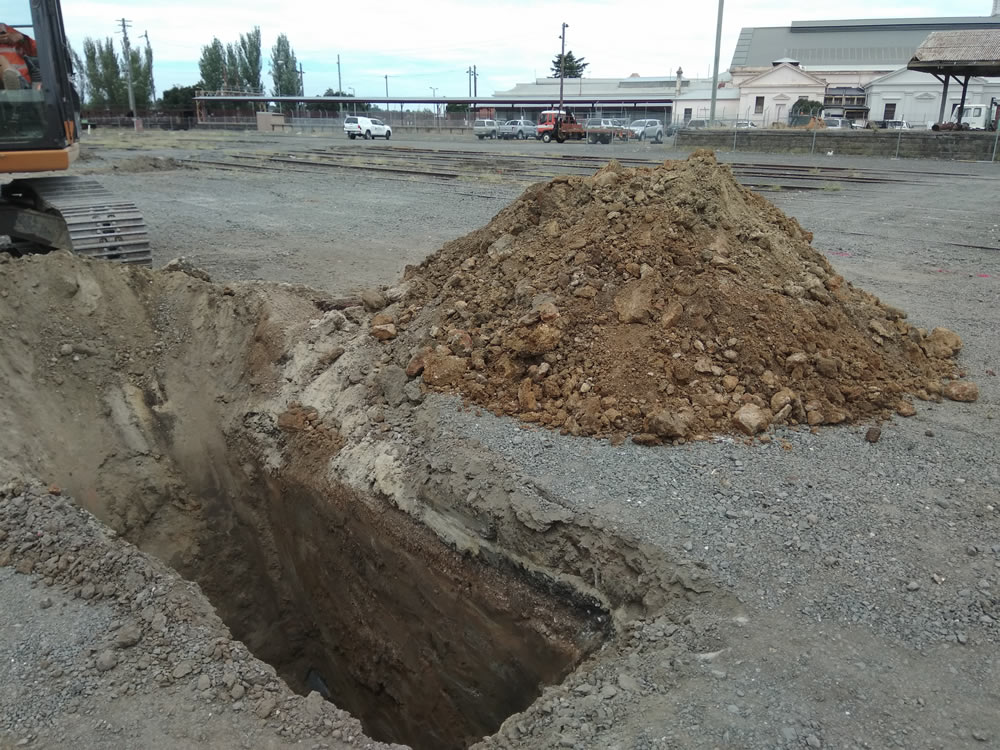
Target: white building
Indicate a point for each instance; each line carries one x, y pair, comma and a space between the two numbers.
916, 97
856, 67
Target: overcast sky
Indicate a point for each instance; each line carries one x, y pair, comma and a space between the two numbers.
421, 44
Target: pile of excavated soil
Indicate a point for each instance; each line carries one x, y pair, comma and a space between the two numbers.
668, 303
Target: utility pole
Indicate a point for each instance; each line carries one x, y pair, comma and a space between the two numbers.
715, 69
128, 63
475, 82
340, 90
434, 93
562, 63
468, 74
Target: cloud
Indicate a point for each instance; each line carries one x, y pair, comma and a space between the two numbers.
432, 43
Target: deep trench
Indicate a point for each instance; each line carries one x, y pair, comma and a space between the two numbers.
348, 596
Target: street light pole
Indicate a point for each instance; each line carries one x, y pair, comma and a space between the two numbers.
715, 69
355, 102
434, 93
562, 63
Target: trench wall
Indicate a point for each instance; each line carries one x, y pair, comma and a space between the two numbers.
921, 144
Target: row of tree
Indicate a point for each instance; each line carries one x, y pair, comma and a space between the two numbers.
101, 75
233, 67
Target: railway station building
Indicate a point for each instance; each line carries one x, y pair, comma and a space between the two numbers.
857, 68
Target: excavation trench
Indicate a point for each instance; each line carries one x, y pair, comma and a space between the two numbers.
347, 596
155, 400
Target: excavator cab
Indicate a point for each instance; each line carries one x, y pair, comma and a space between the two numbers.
40, 132
39, 117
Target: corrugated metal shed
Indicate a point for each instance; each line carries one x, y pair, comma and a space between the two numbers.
887, 43
974, 53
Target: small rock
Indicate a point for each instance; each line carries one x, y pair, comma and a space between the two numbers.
912, 586
45, 603
106, 660
265, 707
373, 300
961, 390
905, 409
384, 332
204, 682
237, 692
813, 741
128, 636
873, 434
182, 670
751, 419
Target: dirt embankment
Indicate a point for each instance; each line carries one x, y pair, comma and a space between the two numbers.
667, 304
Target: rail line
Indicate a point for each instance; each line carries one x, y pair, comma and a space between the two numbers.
441, 165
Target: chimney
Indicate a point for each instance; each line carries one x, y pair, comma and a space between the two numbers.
680, 74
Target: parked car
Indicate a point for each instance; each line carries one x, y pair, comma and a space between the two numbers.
485, 129
838, 123
519, 129
745, 125
897, 125
366, 127
647, 129
702, 124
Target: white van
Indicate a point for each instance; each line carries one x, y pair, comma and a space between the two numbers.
366, 127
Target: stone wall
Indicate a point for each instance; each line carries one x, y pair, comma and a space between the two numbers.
911, 144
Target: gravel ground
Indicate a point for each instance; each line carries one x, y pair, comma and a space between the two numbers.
868, 572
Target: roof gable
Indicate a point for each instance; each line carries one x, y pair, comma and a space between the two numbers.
783, 75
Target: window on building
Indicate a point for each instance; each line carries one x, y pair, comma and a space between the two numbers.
890, 111
687, 114
758, 107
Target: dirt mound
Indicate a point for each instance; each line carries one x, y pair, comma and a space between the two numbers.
668, 303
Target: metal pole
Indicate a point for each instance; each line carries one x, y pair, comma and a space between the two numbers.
944, 98
898, 139
813, 149
715, 69
340, 89
996, 138
562, 64
128, 68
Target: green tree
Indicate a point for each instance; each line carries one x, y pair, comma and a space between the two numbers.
105, 79
250, 60
179, 99
212, 65
148, 55
456, 108
79, 74
327, 106
284, 69
574, 66
806, 107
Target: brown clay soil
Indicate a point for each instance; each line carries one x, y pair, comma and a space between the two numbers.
665, 303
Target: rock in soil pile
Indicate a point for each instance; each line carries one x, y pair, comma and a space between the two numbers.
666, 303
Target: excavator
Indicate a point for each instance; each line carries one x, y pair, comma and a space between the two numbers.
40, 133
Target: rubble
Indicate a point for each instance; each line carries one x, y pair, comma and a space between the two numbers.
669, 303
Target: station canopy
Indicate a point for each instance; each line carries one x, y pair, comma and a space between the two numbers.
959, 53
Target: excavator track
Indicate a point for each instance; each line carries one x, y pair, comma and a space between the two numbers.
76, 214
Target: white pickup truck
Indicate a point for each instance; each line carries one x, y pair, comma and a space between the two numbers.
519, 129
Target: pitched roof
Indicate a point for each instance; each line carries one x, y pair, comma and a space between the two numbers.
959, 53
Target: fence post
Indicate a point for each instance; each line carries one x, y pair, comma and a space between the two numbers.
996, 138
813, 149
898, 139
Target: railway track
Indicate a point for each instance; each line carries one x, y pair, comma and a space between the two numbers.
446, 165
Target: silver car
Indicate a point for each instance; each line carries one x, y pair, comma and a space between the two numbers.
647, 130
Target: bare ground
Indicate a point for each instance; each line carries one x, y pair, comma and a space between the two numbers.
834, 593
